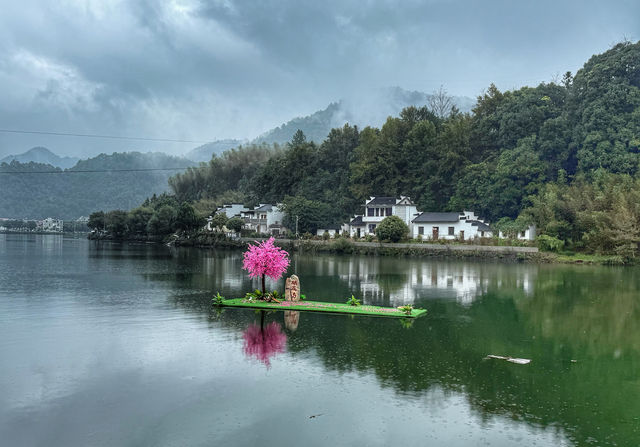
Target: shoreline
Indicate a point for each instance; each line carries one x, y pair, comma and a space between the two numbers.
510, 254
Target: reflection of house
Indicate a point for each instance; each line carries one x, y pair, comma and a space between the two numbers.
464, 226
265, 219
409, 282
376, 209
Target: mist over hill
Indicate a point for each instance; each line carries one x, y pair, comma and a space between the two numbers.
364, 109
37, 190
204, 152
41, 155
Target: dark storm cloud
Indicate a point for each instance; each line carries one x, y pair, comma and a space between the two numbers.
217, 69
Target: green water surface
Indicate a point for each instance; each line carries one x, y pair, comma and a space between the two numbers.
118, 345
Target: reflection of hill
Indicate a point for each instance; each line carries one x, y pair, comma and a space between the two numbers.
551, 315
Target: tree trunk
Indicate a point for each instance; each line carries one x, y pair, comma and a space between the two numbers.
263, 288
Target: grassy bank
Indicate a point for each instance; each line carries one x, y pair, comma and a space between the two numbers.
319, 306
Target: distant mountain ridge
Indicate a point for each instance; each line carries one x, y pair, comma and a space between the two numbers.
43, 155
69, 195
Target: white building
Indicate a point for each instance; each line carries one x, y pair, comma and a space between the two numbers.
456, 225
265, 219
376, 209
529, 234
332, 230
50, 224
235, 209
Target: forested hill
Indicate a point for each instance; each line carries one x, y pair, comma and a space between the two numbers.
69, 194
565, 156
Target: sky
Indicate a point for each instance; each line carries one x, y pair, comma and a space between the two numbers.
207, 70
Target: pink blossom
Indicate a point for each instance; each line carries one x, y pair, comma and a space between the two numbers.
264, 343
265, 259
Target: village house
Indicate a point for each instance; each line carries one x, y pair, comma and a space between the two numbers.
232, 210
51, 225
528, 234
463, 225
265, 219
376, 209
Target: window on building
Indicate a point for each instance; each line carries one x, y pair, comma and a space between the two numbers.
370, 212
372, 228
377, 212
522, 234
451, 231
482, 234
389, 211
421, 230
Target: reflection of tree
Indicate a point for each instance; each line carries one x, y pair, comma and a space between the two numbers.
594, 310
263, 342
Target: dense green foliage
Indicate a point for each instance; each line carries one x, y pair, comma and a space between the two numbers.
392, 229
158, 216
70, 194
553, 150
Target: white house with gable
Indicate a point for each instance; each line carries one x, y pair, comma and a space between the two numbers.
265, 219
463, 225
232, 210
376, 209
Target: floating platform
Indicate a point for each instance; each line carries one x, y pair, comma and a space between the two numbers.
319, 306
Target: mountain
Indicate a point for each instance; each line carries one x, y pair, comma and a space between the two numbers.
36, 190
41, 155
204, 152
371, 109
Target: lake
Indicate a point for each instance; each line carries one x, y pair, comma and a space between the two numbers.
104, 344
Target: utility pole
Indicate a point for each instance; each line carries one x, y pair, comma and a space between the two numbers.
296, 226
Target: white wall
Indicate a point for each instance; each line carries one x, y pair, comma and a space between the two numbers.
470, 231
232, 210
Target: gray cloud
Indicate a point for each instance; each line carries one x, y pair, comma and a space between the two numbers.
223, 69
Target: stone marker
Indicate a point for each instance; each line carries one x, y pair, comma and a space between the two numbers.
292, 289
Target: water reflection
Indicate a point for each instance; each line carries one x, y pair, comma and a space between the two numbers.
135, 326
395, 282
264, 341
291, 319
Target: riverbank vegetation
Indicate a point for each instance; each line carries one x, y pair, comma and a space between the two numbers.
563, 155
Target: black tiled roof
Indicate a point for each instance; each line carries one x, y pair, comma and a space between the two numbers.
382, 201
481, 225
266, 207
437, 217
357, 221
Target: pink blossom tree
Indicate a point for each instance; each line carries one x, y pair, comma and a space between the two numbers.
265, 259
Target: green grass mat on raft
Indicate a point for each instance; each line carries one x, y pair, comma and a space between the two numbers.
319, 306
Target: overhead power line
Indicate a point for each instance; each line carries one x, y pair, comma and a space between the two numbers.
68, 171
112, 137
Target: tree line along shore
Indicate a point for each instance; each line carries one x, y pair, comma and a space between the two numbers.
563, 155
